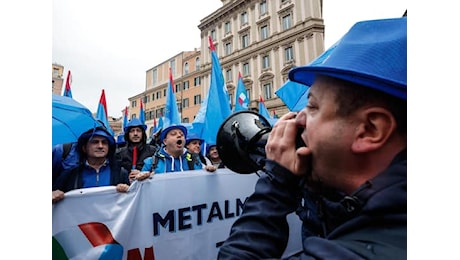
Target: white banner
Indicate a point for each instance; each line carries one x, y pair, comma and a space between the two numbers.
170, 216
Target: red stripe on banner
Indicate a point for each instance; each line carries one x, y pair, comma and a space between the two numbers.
135, 254
97, 233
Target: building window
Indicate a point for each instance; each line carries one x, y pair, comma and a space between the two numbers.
164, 92
213, 35
197, 63
197, 81
158, 95
153, 96
185, 102
265, 62
197, 99
186, 85
134, 103
287, 22
263, 7
228, 48
172, 65
244, 18
267, 90
159, 112
228, 27
55, 73
176, 88
288, 54
246, 69
228, 75
245, 41
151, 115
154, 77
264, 32
186, 70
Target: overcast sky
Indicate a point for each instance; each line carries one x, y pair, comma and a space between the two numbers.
111, 44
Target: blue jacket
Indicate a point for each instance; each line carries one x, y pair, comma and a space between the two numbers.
369, 224
74, 178
166, 163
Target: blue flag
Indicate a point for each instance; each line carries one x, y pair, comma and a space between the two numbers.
241, 96
125, 118
160, 123
171, 111
220, 100
294, 95
142, 113
101, 114
263, 109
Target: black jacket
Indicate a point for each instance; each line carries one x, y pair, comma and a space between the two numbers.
125, 155
369, 224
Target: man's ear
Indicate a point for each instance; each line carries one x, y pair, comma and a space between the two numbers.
376, 125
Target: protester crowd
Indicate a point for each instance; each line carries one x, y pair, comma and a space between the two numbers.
96, 159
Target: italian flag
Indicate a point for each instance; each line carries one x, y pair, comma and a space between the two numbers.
91, 240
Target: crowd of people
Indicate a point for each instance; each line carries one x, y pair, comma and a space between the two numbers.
348, 184
96, 159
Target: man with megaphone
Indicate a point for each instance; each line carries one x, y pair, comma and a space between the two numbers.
348, 185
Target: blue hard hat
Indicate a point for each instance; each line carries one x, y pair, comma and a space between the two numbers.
209, 148
133, 123
96, 131
193, 136
372, 54
171, 127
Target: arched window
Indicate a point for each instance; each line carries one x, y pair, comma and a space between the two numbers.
197, 63
186, 68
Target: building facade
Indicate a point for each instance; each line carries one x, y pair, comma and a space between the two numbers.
260, 39
57, 78
186, 76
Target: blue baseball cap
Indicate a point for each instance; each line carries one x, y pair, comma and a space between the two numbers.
171, 127
372, 53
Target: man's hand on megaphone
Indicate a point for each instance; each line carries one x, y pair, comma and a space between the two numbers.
282, 145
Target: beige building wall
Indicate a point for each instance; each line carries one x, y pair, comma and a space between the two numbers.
262, 39
157, 80
57, 78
